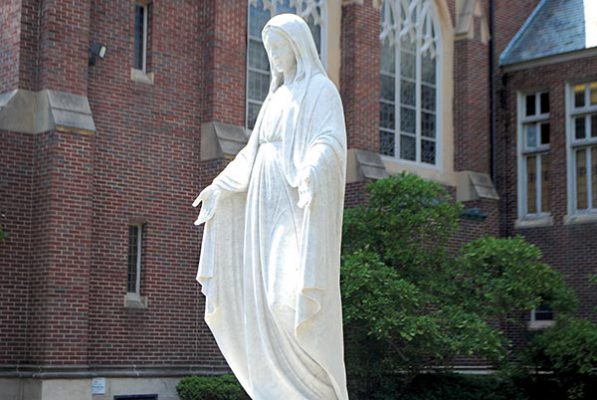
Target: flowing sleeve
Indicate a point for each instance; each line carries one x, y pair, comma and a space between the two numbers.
235, 177
318, 318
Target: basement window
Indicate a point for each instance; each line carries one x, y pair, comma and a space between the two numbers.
137, 397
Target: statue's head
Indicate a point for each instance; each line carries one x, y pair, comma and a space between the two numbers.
280, 51
290, 48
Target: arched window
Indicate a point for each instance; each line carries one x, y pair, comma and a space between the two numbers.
258, 73
409, 128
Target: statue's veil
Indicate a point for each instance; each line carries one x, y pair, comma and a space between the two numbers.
298, 34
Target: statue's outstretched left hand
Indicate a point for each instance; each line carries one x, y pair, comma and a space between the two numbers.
209, 197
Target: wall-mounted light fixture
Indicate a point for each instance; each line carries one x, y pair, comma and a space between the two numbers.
96, 50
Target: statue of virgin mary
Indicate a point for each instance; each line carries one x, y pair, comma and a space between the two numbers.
270, 255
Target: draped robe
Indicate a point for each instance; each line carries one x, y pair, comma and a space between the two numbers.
269, 269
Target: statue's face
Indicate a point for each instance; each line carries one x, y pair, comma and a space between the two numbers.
280, 52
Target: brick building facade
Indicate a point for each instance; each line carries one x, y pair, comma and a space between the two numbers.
94, 152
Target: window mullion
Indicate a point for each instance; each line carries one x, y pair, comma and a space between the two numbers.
397, 96
418, 101
589, 178
538, 176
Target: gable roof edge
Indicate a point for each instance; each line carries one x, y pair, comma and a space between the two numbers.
520, 32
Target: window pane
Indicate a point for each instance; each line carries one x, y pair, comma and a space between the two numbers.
258, 56
132, 259
545, 133
579, 128
593, 95
407, 64
544, 103
581, 180
407, 120
316, 32
428, 67
139, 19
258, 17
388, 88
408, 93
594, 125
428, 125
530, 104
407, 44
407, 148
594, 176
543, 313
387, 58
253, 111
531, 185
428, 97
545, 206
258, 85
386, 115
531, 135
579, 96
428, 152
387, 143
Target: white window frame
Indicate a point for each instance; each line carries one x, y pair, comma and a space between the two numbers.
322, 56
534, 324
523, 152
573, 144
145, 7
438, 165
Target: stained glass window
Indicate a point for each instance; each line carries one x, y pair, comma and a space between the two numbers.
408, 126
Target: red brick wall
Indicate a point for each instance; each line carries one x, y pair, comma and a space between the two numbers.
223, 39
359, 74
10, 29
16, 173
471, 106
569, 248
146, 167
64, 45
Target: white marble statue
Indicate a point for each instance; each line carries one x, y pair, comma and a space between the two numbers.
270, 256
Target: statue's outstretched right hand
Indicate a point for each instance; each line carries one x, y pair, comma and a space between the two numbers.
209, 197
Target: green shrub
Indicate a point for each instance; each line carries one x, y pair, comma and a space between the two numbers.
221, 387
568, 352
412, 304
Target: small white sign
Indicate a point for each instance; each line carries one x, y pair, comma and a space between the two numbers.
98, 386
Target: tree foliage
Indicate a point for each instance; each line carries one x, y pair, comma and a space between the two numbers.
410, 304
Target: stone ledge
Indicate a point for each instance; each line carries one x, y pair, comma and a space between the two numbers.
537, 222
474, 186
219, 140
364, 164
574, 219
133, 300
142, 77
539, 325
35, 112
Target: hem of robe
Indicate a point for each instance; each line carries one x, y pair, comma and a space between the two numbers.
207, 275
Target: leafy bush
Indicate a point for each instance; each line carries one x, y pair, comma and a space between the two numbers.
222, 387
410, 304
568, 351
